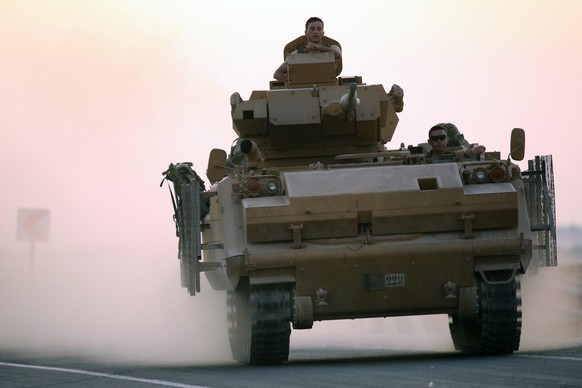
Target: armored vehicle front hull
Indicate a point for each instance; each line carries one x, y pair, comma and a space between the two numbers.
367, 241
370, 241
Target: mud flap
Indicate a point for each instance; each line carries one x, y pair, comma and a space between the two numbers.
540, 197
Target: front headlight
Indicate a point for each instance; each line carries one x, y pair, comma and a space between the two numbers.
272, 186
480, 175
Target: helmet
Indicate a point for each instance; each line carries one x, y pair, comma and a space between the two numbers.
453, 133
451, 129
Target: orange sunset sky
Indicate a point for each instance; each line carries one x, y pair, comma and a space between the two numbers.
97, 97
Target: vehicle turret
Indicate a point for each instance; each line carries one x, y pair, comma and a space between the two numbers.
326, 117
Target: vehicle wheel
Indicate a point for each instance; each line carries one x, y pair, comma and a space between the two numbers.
497, 330
258, 321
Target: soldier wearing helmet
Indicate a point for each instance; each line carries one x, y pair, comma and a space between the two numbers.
456, 139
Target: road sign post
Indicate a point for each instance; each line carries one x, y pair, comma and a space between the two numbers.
33, 225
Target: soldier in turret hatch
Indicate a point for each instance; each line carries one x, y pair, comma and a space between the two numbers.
441, 137
438, 139
314, 42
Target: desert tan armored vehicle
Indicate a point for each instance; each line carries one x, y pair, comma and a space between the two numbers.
310, 217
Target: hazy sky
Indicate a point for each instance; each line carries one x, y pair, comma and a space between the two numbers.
98, 97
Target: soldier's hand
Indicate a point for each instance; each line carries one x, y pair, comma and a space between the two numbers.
311, 47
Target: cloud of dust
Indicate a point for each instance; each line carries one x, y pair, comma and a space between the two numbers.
116, 305
99, 100
428, 333
126, 306
552, 305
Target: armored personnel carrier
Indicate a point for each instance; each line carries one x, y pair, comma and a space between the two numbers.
310, 217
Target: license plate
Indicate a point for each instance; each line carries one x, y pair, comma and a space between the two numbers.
394, 280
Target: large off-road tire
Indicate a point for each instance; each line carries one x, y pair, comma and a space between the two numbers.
498, 327
258, 323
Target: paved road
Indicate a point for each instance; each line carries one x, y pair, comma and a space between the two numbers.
310, 367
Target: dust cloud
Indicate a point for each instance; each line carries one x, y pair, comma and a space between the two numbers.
97, 101
118, 306
127, 306
552, 305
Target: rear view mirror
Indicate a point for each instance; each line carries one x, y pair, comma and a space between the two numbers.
517, 147
216, 165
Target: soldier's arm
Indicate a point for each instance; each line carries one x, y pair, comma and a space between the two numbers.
474, 150
337, 52
281, 72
